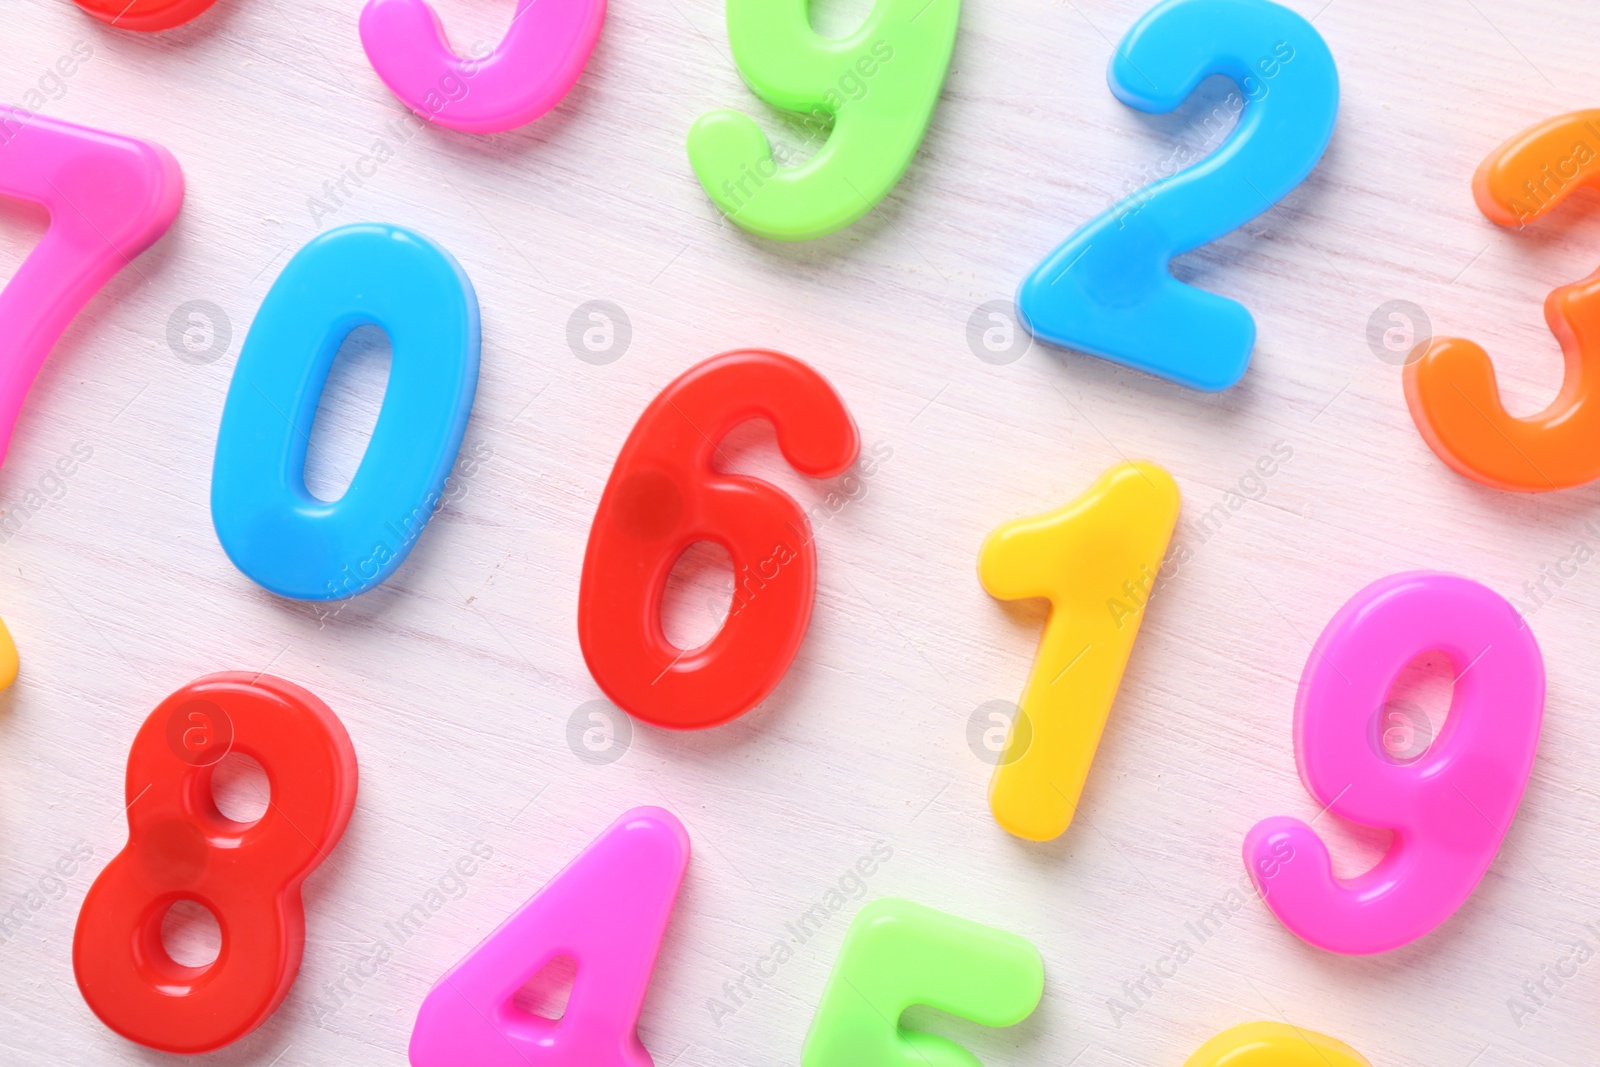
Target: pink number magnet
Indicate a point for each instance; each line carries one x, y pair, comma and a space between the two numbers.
1449, 807
526, 74
109, 198
607, 912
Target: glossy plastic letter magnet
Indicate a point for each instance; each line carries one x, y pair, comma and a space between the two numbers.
876, 87
109, 197
664, 495
1267, 1044
1449, 807
607, 912
897, 954
248, 875
1450, 383
1109, 289
145, 15
272, 528
524, 76
1096, 559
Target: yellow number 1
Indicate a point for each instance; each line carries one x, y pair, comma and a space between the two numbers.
8, 657
1095, 559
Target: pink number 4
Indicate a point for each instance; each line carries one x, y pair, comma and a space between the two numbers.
607, 912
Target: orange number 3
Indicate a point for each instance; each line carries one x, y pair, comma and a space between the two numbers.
1450, 387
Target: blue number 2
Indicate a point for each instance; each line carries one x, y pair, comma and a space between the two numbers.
1109, 290
269, 524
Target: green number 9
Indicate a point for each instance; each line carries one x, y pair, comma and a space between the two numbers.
878, 87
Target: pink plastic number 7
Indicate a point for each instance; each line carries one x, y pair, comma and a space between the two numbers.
109, 198
527, 74
607, 912
1449, 808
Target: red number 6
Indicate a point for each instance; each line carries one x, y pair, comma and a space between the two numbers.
664, 496
180, 847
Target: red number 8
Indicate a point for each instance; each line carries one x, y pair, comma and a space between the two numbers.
664, 496
180, 847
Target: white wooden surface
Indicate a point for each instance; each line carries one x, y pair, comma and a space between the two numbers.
457, 679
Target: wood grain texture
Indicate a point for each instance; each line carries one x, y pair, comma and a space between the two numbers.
458, 678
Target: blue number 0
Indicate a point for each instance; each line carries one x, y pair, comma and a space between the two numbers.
269, 524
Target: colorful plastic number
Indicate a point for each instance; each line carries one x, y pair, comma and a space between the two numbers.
8, 657
109, 197
527, 74
897, 954
1109, 289
1268, 1044
180, 847
270, 525
1095, 559
1449, 808
877, 86
608, 912
145, 15
1450, 386
664, 495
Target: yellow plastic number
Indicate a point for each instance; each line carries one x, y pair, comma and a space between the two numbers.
1095, 559
1274, 1045
8, 657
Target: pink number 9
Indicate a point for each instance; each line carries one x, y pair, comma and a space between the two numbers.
1449, 808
